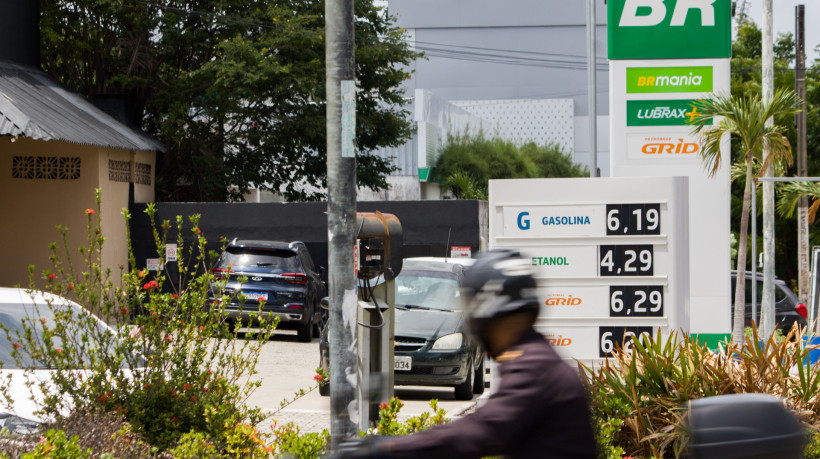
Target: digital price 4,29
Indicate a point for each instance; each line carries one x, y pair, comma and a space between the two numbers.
635, 301
626, 260
633, 219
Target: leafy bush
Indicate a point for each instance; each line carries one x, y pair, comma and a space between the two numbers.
390, 425
176, 368
648, 387
467, 163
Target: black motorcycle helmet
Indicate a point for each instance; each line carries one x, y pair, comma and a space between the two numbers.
499, 284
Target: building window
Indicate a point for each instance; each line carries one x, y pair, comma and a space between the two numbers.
143, 174
45, 167
119, 171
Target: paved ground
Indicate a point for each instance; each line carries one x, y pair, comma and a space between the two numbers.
286, 366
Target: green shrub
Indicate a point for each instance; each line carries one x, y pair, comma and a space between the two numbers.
467, 163
289, 440
648, 387
55, 445
176, 368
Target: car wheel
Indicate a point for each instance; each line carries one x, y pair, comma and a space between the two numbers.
304, 332
464, 391
478, 382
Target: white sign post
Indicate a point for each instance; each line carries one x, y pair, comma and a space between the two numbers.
664, 55
610, 256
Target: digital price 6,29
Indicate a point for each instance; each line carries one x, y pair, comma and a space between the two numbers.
633, 219
635, 301
626, 260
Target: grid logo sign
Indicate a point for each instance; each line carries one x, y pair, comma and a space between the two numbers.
653, 80
676, 112
669, 29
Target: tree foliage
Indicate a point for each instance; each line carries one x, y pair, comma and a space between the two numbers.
234, 88
746, 80
467, 163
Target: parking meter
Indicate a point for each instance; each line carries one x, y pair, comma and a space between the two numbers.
378, 261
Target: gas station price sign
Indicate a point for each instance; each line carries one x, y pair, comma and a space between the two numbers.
610, 256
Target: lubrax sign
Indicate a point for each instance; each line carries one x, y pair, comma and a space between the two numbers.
669, 29
675, 112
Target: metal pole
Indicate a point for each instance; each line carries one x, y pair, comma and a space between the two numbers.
800, 118
754, 255
767, 319
341, 220
592, 91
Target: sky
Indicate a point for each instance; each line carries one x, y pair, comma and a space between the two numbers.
783, 16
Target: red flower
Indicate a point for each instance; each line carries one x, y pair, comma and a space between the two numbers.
51, 277
103, 398
197, 230
70, 286
142, 273
43, 320
205, 389
123, 310
174, 296
150, 285
383, 406
186, 386
175, 419
89, 211
153, 313
174, 393
16, 345
317, 378
168, 338
58, 350
193, 398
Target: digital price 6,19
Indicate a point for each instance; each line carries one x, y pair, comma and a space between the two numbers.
626, 260
633, 219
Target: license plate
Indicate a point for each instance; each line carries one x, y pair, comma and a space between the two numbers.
256, 296
402, 363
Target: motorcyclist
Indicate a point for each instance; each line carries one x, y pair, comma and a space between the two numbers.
540, 409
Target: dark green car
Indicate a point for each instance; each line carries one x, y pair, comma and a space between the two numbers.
431, 347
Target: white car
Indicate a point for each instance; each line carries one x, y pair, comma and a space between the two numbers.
17, 305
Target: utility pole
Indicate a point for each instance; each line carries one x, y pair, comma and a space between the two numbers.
341, 219
592, 91
803, 280
767, 316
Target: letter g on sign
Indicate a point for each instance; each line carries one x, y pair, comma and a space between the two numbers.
523, 221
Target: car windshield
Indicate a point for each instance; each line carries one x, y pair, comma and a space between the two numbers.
13, 315
260, 258
428, 289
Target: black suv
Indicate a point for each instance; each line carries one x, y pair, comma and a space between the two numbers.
281, 274
787, 308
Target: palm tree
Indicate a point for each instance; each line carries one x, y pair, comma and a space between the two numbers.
792, 192
744, 118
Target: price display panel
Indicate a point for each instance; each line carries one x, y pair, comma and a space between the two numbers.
610, 256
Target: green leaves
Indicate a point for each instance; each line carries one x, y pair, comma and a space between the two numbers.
234, 89
648, 387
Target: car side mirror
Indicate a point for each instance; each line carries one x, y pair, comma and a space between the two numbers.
325, 303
